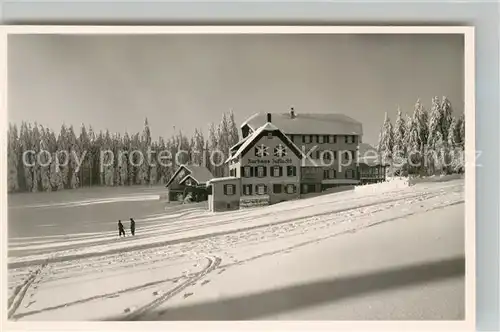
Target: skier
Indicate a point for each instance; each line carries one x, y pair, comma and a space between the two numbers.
121, 229
132, 226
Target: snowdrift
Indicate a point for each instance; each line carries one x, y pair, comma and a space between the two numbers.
388, 185
440, 178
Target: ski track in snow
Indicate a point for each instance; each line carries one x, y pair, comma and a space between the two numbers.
264, 231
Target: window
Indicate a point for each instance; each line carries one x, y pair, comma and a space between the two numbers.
329, 174
290, 188
247, 172
261, 189
280, 151
322, 139
188, 182
261, 151
350, 139
261, 171
327, 155
291, 171
349, 174
229, 189
247, 189
277, 171
330, 138
307, 139
277, 188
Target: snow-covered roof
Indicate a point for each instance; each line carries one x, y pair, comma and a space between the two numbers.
200, 174
268, 126
227, 178
309, 123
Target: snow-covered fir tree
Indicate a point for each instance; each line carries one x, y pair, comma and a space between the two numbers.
44, 160
386, 141
213, 148
145, 148
233, 130
63, 155
412, 143
447, 115
436, 140
75, 157
461, 126
420, 117
399, 144
13, 159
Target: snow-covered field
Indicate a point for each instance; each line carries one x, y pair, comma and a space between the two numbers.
199, 263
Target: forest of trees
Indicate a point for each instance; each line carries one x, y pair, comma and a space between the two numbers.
425, 143
42, 173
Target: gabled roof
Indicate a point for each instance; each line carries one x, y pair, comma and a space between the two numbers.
188, 177
309, 123
237, 145
368, 155
257, 134
200, 174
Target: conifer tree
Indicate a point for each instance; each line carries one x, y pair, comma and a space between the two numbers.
13, 159
386, 141
399, 144
435, 141
44, 160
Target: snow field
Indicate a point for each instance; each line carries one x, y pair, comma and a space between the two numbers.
270, 232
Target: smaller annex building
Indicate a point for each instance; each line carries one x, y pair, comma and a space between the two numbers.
224, 194
191, 179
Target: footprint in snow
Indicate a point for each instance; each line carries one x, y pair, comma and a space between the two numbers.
186, 295
222, 271
157, 293
130, 309
204, 282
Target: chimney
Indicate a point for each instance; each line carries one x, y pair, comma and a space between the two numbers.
292, 113
268, 117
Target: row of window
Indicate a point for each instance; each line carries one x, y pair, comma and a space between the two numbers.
260, 189
332, 174
277, 171
332, 155
332, 139
261, 171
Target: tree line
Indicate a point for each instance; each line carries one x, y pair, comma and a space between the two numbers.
43, 172
428, 142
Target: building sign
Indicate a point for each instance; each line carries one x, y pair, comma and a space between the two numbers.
274, 161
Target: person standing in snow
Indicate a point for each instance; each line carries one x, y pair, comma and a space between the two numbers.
121, 229
132, 226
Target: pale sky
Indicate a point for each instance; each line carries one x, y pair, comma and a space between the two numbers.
187, 81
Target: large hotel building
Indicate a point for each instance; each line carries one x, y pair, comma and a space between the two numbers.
284, 155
